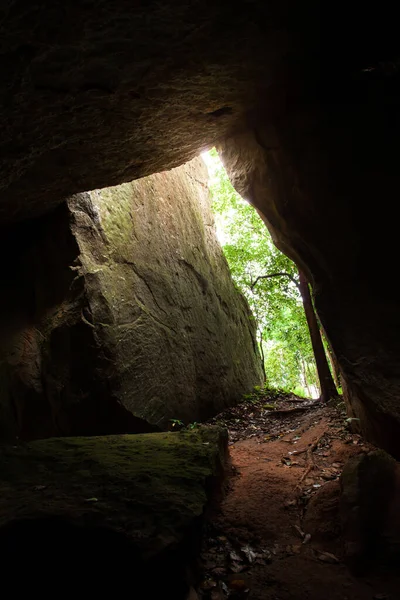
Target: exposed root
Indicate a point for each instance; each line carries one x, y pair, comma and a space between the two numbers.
284, 412
299, 400
310, 463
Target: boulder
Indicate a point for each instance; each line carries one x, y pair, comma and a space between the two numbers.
104, 514
369, 516
121, 314
93, 96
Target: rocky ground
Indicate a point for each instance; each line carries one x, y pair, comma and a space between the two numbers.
277, 535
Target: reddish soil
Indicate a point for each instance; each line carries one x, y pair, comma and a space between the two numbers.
277, 535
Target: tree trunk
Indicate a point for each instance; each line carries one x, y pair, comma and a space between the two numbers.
328, 389
334, 365
262, 357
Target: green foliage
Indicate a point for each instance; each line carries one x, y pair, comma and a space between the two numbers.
192, 426
177, 424
275, 301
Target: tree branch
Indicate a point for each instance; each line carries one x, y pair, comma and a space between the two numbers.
292, 279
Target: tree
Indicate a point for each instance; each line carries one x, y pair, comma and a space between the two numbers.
327, 385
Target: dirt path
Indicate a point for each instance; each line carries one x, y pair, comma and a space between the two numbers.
277, 535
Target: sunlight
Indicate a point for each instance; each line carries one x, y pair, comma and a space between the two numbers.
256, 266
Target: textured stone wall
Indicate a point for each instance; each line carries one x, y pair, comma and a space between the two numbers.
95, 94
326, 185
126, 314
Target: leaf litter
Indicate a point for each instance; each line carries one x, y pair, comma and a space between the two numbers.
257, 544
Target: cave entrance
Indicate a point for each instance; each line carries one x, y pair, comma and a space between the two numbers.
270, 282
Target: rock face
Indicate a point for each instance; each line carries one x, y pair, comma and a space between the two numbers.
370, 485
124, 314
140, 76
314, 177
112, 511
93, 96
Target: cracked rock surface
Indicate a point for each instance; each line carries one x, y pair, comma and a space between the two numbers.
129, 317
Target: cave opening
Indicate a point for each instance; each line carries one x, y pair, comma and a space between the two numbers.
111, 327
270, 282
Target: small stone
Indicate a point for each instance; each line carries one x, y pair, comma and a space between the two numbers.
208, 584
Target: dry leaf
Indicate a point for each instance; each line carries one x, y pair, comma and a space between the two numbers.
249, 553
218, 571
236, 567
208, 584
234, 556
328, 557
290, 503
239, 585
299, 530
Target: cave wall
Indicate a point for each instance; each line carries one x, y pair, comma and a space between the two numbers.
94, 95
325, 179
98, 94
122, 314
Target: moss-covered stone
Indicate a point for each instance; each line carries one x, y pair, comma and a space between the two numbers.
150, 487
115, 510
162, 303
121, 314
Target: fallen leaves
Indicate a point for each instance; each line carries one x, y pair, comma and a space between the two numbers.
268, 418
227, 562
249, 553
328, 558
310, 441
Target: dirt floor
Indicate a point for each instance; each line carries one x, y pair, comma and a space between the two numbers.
277, 534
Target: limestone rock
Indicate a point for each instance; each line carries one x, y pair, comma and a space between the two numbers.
123, 315
102, 513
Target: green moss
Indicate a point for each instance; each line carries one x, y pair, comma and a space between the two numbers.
116, 211
149, 486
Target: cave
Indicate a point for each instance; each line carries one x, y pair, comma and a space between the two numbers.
301, 102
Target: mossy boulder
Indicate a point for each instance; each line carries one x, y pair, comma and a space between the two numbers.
128, 505
121, 314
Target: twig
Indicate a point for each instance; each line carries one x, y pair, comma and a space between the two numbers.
309, 458
306, 472
292, 279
